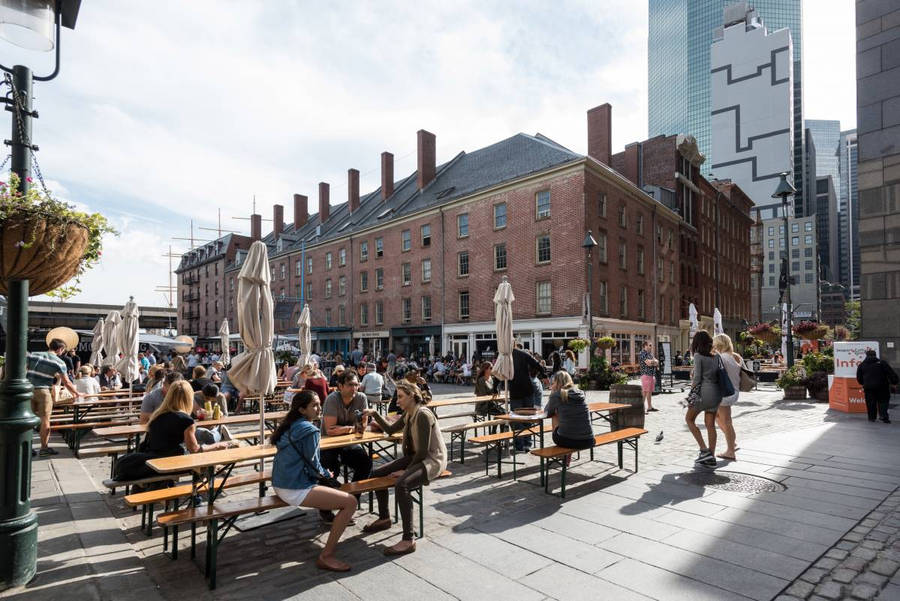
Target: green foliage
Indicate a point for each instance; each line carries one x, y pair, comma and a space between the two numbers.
37, 204
578, 344
795, 376
601, 376
285, 357
818, 362
606, 342
853, 318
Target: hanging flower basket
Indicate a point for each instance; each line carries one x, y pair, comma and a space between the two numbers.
765, 332
606, 342
578, 344
44, 240
810, 330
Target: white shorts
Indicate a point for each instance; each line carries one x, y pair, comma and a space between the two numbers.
292, 496
728, 401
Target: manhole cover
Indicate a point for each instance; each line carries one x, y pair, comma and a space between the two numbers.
733, 481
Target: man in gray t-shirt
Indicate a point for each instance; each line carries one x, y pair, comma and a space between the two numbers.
153, 399
339, 419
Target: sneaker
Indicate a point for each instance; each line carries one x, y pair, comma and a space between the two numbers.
703, 456
34, 452
710, 461
48, 451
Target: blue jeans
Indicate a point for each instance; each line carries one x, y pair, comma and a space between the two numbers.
523, 443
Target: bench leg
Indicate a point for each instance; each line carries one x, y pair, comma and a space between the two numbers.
620, 454
487, 452
150, 520
500, 460
635, 455
212, 551
421, 512
462, 448
143, 517
174, 542
193, 540
562, 492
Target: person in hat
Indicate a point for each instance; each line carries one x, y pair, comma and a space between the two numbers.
876, 377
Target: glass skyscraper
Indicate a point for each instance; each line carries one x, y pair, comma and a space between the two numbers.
826, 135
681, 33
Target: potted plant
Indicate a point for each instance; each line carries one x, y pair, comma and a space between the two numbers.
818, 366
792, 381
606, 342
578, 344
601, 376
46, 241
810, 330
766, 332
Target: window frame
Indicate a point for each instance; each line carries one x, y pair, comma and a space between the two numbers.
379, 247
459, 304
460, 218
537, 249
459, 264
428, 262
539, 299
405, 241
539, 214
425, 239
363, 251
495, 214
497, 249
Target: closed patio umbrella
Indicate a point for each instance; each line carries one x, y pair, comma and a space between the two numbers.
717, 322
253, 371
692, 315
225, 357
97, 343
503, 366
305, 337
110, 342
127, 340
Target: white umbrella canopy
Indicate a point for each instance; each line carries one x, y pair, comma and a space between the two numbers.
97, 343
225, 357
110, 341
717, 322
503, 366
692, 315
305, 337
127, 340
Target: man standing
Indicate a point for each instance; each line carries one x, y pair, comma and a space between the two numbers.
876, 378
43, 368
355, 356
647, 364
339, 419
521, 389
372, 384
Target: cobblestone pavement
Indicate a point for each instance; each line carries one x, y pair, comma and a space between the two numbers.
651, 535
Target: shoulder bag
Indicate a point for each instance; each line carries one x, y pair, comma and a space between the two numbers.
321, 479
725, 385
748, 382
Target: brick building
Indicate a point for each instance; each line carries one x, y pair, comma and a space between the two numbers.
414, 264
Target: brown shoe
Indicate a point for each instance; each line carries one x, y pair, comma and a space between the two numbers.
331, 564
377, 526
400, 548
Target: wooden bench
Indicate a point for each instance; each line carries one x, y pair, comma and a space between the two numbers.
113, 484
497, 440
460, 431
229, 511
73, 433
105, 451
560, 455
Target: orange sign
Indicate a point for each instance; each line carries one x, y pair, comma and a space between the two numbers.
845, 394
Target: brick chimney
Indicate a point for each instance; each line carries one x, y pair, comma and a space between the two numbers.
255, 227
632, 158
353, 189
599, 132
277, 220
323, 202
387, 175
301, 211
426, 155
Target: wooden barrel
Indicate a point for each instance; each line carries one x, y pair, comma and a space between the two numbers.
627, 394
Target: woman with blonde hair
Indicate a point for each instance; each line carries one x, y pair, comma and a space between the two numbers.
571, 418
569, 364
732, 361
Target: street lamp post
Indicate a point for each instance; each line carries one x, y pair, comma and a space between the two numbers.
588, 246
29, 24
783, 191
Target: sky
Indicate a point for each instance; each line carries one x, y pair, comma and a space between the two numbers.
169, 111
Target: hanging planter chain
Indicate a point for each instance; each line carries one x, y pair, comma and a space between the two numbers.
17, 113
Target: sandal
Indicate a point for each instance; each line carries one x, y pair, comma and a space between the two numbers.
394, 551
377, 526
728, 457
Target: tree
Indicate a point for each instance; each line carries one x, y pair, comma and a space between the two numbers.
853, 318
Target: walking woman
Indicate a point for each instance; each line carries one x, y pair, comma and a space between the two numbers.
705, 397
732, 361
296, 470
424, 458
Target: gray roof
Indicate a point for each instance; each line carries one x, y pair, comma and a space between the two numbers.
465, 174
204, 253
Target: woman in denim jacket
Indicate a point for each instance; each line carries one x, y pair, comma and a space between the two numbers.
297, 467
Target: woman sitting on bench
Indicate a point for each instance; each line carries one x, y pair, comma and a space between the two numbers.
571, 418
297, 468
424, 459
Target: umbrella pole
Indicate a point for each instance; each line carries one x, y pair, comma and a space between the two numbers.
262, 441
507, 396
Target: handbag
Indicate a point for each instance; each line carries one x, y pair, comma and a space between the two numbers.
725, 385
693, 397
321, 479
748, 382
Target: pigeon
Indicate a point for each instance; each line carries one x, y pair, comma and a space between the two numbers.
659, 437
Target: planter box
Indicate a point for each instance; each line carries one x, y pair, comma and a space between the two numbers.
795, 393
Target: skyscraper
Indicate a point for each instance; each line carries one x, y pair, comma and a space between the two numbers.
848, 213
826, 135
680, 35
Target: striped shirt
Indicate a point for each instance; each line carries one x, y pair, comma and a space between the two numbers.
43, 369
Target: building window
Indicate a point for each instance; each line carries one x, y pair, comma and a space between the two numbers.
328, 320
640, 260
499, 256
379, 278
342, 257
308, 264
795, 227
601, 246
464, 304
623, 302
426, 235
363, 281
462, 263
542, 203
807, 252
283, 271
640, 224
808, 239
500, 216
542, 298
808, 278
771, 281
363, 314
328, 288
379, 248
795, 253
328, 261
308, 290
640, 303
543, 248
771, 231
363, 251
299, 268
623, 217
795, 266
808, 264
426, 270
379, 312
771, 243
462, 225
807, 227
601, 205
341, 315
603, 298
407, 310
342, 285
406, 272
426, 308
405, 240
623, 255
231, 284
671, 272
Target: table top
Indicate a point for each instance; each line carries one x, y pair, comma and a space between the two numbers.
248, 418
346, 440
465, 400
592, 407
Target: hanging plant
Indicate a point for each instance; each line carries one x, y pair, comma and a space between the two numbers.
578, 344
810, 330
46, 241
765, 332
606, 342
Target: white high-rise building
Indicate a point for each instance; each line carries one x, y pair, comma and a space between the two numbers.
751, 106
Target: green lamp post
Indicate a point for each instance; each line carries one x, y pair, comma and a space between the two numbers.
34, 25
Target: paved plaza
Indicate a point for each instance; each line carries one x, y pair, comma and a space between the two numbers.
830, 532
